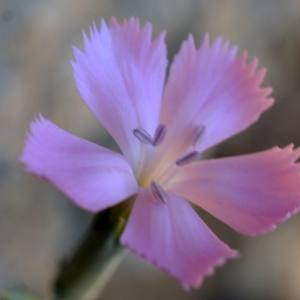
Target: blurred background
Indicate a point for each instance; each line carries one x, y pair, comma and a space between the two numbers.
39, 227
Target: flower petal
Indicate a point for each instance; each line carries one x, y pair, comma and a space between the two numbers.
120, 76
92, 176
173, 237
210, 87
250, 193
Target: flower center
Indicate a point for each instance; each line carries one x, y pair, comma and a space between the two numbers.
157, 176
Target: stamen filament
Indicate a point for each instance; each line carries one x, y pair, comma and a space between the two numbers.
157, 191
143, 136
199, 135
192, 156
160, 134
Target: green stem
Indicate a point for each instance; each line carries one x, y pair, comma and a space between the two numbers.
85, 275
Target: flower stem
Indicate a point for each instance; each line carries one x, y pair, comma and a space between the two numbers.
86, 274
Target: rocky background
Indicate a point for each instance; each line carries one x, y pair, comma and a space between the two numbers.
39, 226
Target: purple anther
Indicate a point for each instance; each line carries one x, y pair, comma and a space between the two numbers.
199, 135
143, 136
157, 191
192, 156
160, 134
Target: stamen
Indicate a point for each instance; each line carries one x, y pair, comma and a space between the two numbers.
199, 135
157, 191
143, 136
160, 134
188, 158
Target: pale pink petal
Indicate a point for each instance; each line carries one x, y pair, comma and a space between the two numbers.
210, 87
173, 237
120, 76
250, 193
92, 176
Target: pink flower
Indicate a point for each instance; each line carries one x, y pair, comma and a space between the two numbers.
210, 95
